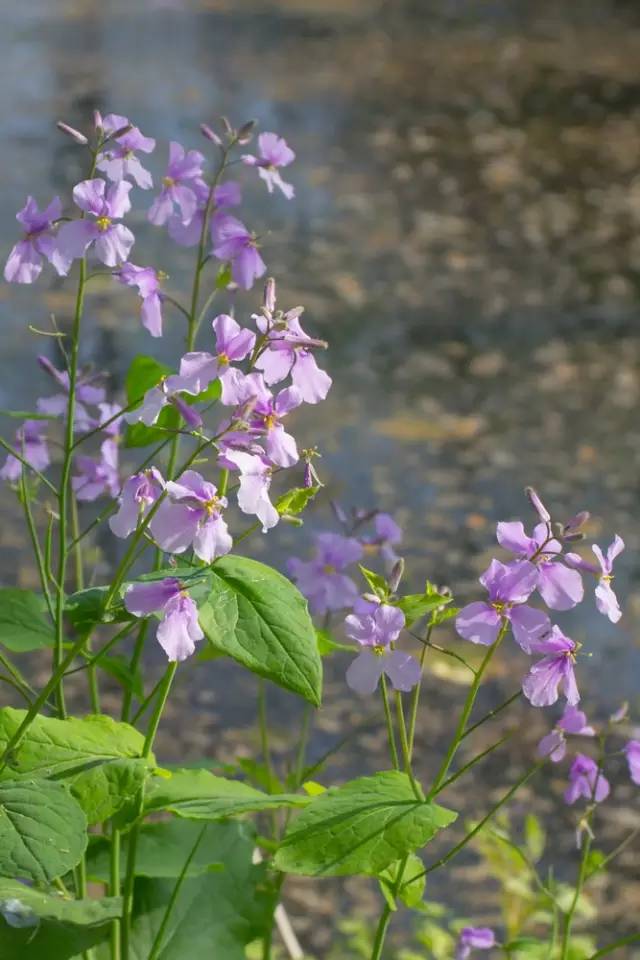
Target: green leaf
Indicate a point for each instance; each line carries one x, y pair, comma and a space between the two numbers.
59, 928
99, 758
327, 645
377, 584
143, 374
441, 616
295, 501
223, 278
86, 608
161, 851
216, 914
535, 837
259, 618
361, 827
416, 605
201, 795
43, 830
23, 626
412, 893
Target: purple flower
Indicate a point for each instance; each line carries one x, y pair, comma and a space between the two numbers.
266, 417
553, 673
586, 780
632, 753
105, 203
185, 166
274, 154
24, 264
97, 476
110, 418
388, 533
255, 481
509, 585
32, 446
119, 160
233, 343
288, 352
554, 744
86, 393
559, 587
192, 516
179, 629
187, 233
168, 392
322, 580
606, 600
234, 244
147, 281
474, 938
139, 494
376, 631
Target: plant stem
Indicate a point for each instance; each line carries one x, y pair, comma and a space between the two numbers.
568, 923
133, 667
130, 875
35, 542
404, 743
492, 713
157, 943
387, 715
622, 942
114, 891
381, 932
472, 763
466, 711
92, 675
415, 695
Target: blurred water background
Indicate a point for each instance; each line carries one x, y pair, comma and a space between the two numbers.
466, 234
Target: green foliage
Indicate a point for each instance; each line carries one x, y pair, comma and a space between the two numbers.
161, 851
143, 374
259, 618
86, 608
295, 501
23, 626
376, 583
43, 830
201, 795
99, 758
361, 827
215, 914
327, 645
411, 893
59, 928
417, 605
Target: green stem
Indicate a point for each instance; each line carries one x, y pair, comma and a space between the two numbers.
466, 711
134, 835
404, 744
267, 940
157, 943
387, 715
35, 543
568, 923
92, 675
472, 763
25, 463
114, 891
381, 932
492, 713
415, 695
133, 668
264, 746
622, 942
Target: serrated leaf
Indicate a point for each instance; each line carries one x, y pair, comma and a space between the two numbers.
259, 618
295, 501
361, 827
43, 830
201, 795
58, 927
23, 625
100, 759
410, 894
161, 851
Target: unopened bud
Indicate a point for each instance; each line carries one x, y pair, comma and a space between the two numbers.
121, 132
573, 537
72, 132
371, 597
245, 133
537, 504
228, 129
571, 526
269, 299
557, 529
339, 513
620, 714
396, 575
97, 121
210, 134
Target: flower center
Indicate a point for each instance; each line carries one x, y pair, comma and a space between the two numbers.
103, 223
223, 358
378, 650
499, 606
168, 182
212, 506
270, 421
329, 569
607, 577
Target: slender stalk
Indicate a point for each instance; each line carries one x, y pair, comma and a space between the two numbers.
134, 835
25, 463
92, 676
133, 667
19, 681
35, 543
157, 943
568, 923
415, 695
466, 711
387, 715
114, 891
263, 727
404, 744
622, 942
381, 932
493, 713
614, 853
472, 763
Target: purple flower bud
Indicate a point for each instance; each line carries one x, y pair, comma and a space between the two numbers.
573, 525
72, 132
537, 504
207, 132
97, 121
620, 714
245, 133
269, 299
396, 575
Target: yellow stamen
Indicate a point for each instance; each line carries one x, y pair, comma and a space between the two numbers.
329, 569
103, 223
223, 358
168, 182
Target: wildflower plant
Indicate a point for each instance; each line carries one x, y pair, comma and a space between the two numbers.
104, 851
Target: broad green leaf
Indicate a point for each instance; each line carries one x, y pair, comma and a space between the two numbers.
99, 758
86, 608
57, 927
295, 501
143, 374
416, 605
162, 851
377, 584
201, 795
23, 625
442, 615
43, 830
410, 894
216, 914
259, 618
361, 827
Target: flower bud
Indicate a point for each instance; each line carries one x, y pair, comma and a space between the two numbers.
72, 132
339, 513
121, 132
228, 129
557, 529
396, 575
97, 121
537, 504
620, 714
210, 134
573, 537
269, 299
371, 597
245, 133
571, 526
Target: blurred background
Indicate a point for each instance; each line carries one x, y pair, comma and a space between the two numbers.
466, 234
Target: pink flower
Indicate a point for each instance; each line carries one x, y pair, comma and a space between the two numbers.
112, 241
376, 631
24, 264
632, 753
179, 629
274, 154
586, 780
553, 673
